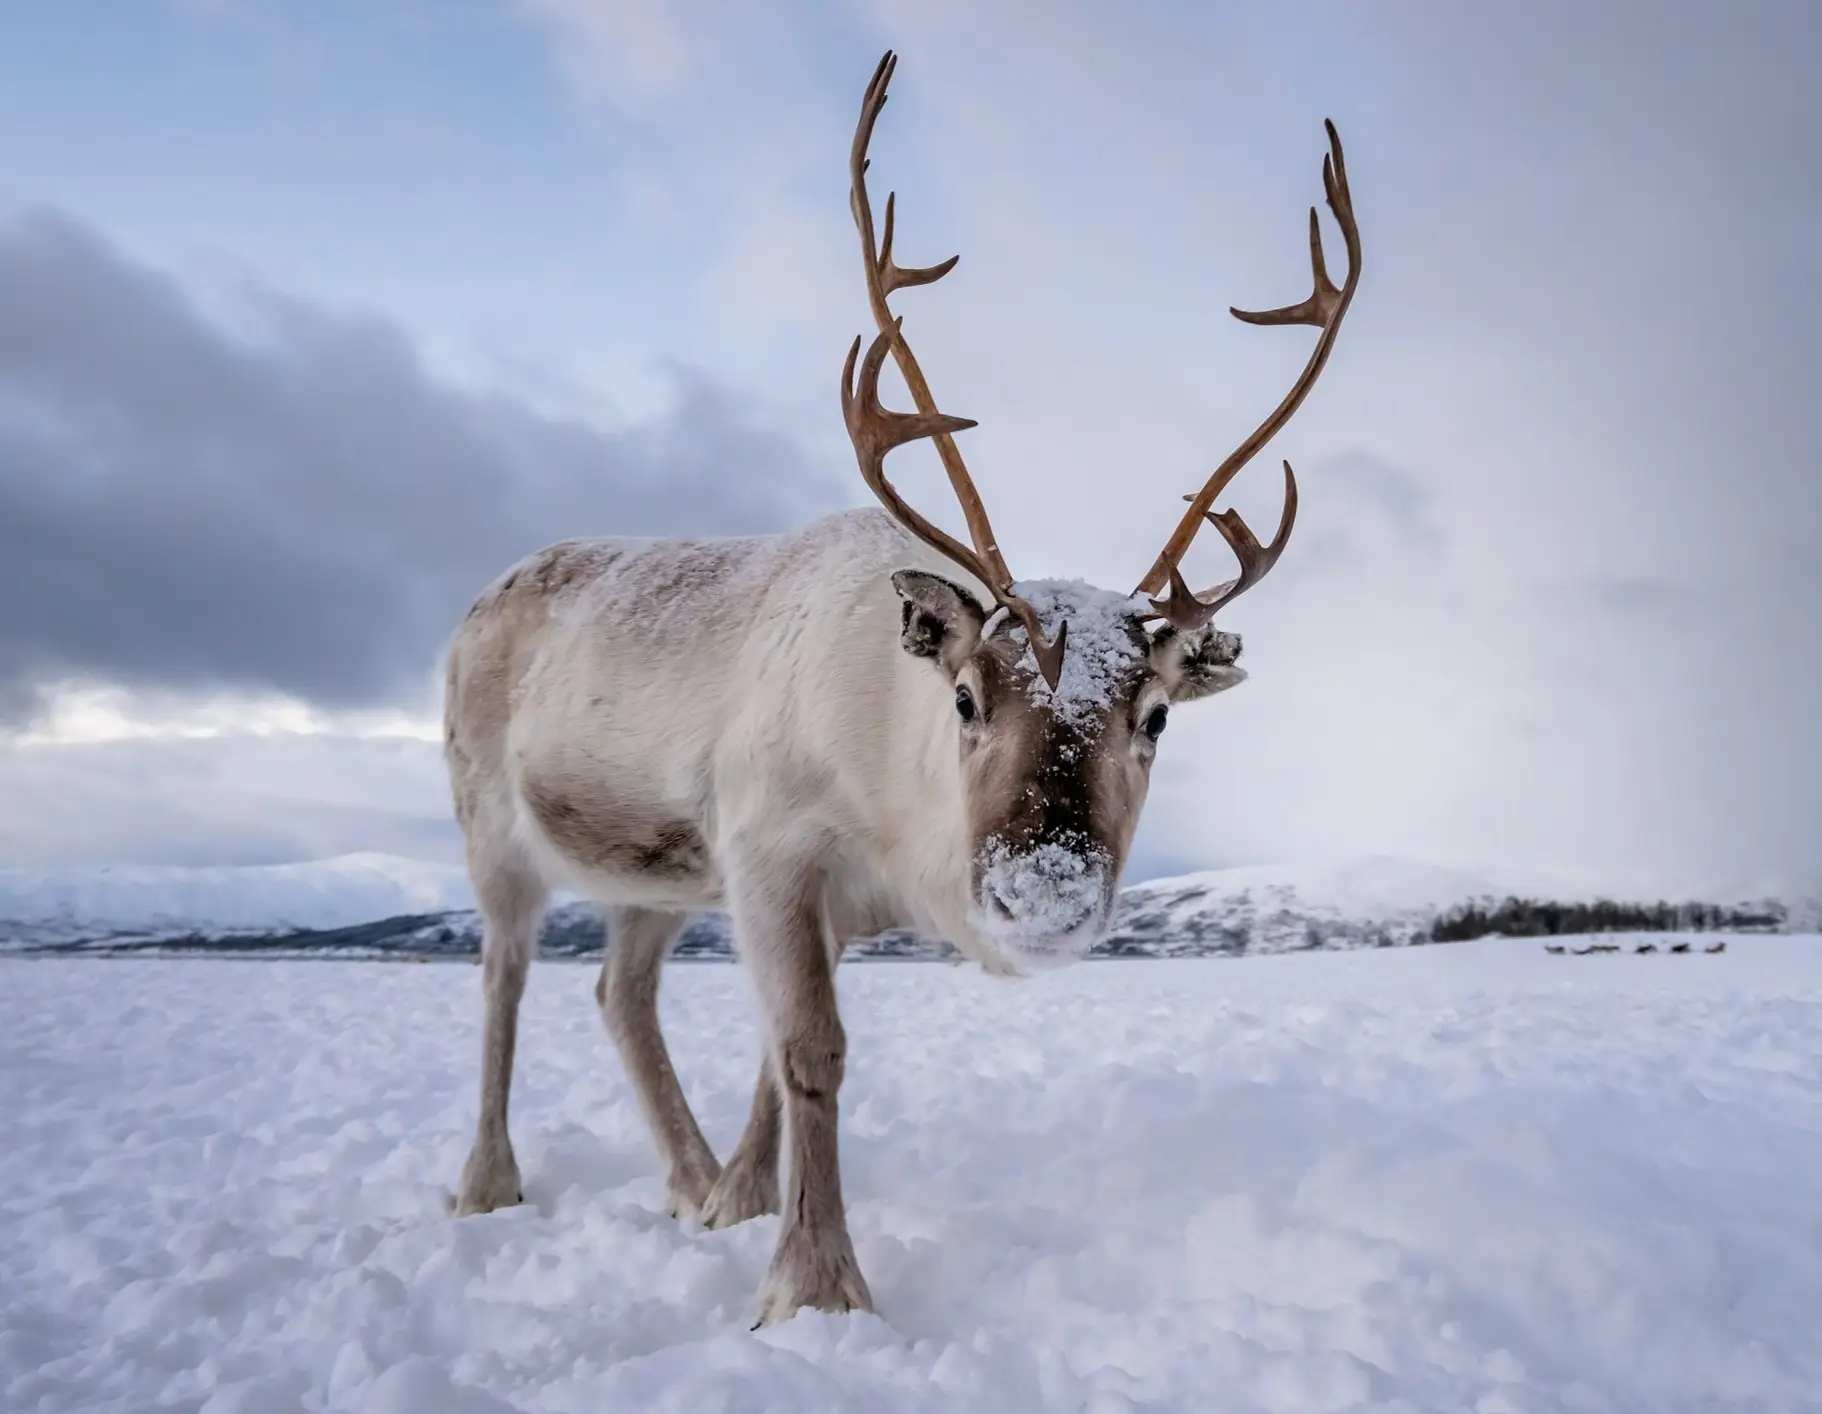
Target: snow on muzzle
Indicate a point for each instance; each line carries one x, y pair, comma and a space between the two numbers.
1047, 904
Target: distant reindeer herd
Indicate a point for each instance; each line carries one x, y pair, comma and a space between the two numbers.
1562, 948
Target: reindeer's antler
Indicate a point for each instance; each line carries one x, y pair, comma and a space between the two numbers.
1324, 309
876, 430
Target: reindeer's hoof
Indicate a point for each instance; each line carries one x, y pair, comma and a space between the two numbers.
742, 1192
812, 1270
687, 1191
490, 1180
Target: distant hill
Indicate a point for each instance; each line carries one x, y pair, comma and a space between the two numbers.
51, 905
380, 906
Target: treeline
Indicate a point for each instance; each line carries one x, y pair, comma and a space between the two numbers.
1535, 918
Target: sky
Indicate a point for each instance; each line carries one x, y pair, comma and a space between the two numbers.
315, 318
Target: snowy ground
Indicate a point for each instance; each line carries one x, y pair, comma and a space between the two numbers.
1450, 1178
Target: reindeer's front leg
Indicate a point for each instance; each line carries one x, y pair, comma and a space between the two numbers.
785, 939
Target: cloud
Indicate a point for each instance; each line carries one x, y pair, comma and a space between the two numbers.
1551, 597
630, 53
647, 59
300, 509
234, 799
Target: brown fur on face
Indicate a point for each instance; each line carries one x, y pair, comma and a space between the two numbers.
1053, 796
1032, 777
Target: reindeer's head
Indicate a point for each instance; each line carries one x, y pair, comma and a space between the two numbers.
1054, 777
1061, 691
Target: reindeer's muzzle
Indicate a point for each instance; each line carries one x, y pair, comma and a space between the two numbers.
1042, 906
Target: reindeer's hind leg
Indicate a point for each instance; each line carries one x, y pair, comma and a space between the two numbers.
512, 897
748, 1186
628, 993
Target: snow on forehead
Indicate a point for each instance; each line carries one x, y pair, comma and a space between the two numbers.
1102, 650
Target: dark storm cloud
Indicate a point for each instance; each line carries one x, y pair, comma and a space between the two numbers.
307, 510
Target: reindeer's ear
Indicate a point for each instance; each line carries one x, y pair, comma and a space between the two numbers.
1196, 664
941, 620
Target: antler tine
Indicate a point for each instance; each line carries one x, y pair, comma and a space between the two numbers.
1314, 310
1319, 308
896, 277
1323, 309
1186, 610
879, 428
876, 430
891, 276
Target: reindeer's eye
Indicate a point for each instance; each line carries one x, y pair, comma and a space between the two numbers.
1154, 722
964, 704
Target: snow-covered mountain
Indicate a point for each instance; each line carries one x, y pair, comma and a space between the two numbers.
52, 905
1376, 901
377, 905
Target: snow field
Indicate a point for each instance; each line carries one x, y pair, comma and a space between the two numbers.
1455, 1178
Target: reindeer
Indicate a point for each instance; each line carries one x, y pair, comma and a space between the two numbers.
859, 725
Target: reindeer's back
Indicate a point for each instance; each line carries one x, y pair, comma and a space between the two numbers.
594, 688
